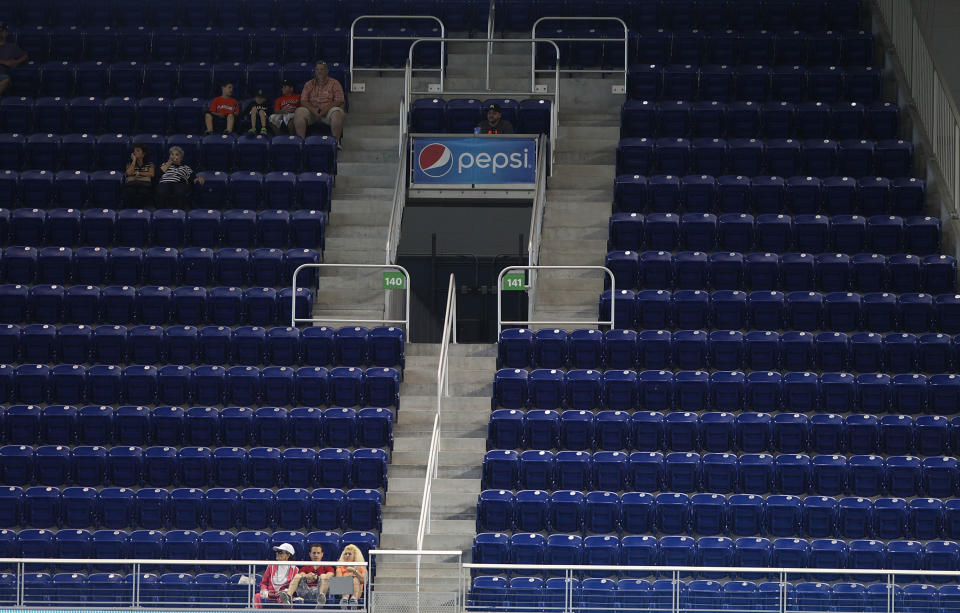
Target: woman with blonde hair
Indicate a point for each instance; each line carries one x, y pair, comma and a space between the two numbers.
352, 553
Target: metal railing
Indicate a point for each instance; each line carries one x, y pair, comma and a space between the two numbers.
536, 225
926, 89
385, 321
399, 195
137, 586
409, 92
680, 600
626, 38
394, 594
529, 322
491, 30
354, 37
448, 336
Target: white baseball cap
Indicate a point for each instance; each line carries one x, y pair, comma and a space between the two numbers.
285, 547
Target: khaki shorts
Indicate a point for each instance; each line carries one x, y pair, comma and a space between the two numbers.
313, 117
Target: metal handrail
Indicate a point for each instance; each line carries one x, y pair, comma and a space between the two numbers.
400, 181
626, 40
529, 323
491, 27
536, 223
726, 570
443, 34
294, 320
489, 41
925, 88
449, 335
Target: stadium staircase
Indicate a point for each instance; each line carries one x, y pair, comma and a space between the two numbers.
362, 200
578, 201
462, 445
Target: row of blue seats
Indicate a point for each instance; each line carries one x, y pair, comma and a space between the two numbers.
136, 426
722, 432
343, 386
153, 544
193, 467
827, 272
818, 157
697, 390
208, 228
864, 352
461, 115
190, 509
819, 47
710, 514
195, 43
251, 13
523, 593
514, 15
751, 473
776, 15
708, 118
153, 305
570, 550
161, 78
201, 266
253, 154
655, 80
209, 590
727, 194
246, 345
772, 310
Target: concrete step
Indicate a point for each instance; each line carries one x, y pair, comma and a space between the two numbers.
413, 444
364, 193
603, 135
456, 389
452, 404
456, 349
587, 155
354, 182
386, 154
573, 232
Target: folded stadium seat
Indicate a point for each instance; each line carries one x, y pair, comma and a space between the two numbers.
11, 150
900, 352
36, 186
829, 475
790, 430
925, 519
880, 312
826, 432
833, 272
726, 273
903, 476
814, 120
709, 157
896, 434
50, 114
233, 266
52, 465
916, 312
865, 475
792, 474
905, 555
832, 351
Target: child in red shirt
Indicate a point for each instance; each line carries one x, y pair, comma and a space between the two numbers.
284, 107
223, 111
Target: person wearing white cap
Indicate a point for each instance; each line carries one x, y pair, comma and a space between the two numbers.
276, 581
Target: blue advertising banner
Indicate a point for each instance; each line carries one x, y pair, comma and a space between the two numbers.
474, 160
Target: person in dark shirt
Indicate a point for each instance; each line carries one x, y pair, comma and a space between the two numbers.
11, 56
138, 186
258, 113
495, 123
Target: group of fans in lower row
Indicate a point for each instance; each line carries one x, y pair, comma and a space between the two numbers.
284, 583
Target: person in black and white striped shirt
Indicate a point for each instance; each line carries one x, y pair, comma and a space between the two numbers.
174, 186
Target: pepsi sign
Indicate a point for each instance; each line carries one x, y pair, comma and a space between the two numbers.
474, 160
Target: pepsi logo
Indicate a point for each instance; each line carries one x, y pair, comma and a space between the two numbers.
435, 160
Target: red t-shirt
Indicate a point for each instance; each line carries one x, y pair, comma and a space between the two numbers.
317, 570
287, 104
225, 106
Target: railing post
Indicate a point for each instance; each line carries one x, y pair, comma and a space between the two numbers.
783, 592
21, 568
567, 591
891, 593
135, 594
675, 592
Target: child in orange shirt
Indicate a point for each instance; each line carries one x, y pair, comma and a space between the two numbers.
223, 111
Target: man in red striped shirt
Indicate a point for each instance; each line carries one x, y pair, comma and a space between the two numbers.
321, 100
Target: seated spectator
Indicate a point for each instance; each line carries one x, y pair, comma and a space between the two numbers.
258, 113
277, 578
284, 108
352, 553
494, 123
223, 111
321, 100
174, 186
11, 56
311, 584
138, 185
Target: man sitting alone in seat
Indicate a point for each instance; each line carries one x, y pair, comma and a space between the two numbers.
311, 584
320, 100
495, 123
